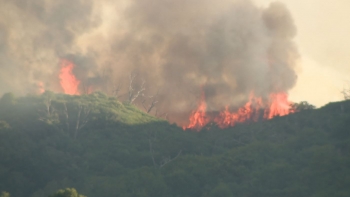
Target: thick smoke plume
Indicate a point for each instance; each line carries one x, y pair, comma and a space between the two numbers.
178, 48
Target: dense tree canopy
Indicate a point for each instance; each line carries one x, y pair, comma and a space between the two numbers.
68, 192
106, 148
5, 194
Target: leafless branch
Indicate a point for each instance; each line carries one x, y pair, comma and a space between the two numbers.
346, 93
131, 88
165, 160
132, 94
168, 159
153, 103
48, 111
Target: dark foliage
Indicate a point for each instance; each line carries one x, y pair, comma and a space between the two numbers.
106, 148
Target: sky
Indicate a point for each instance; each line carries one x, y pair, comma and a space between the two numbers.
323, 41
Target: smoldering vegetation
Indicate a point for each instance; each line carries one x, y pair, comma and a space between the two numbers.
174, 49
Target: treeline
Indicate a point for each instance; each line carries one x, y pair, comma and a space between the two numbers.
106, 148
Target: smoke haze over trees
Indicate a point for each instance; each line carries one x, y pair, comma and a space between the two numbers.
226, 66
227, 49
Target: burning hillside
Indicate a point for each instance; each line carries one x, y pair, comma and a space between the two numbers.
253, 110
239, 57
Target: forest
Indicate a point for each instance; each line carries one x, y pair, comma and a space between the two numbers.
57, 145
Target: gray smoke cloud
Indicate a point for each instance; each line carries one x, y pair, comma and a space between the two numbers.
34, 35
179, 48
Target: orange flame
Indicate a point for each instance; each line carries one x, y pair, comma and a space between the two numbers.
250, 111
198, 118
69, 82
278, 105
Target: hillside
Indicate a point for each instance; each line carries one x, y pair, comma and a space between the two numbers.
106, 148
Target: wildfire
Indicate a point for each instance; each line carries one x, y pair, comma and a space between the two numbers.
198, 118
249, 112
280, 106
69, 82
277, 105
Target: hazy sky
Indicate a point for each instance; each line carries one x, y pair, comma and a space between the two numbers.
324, 43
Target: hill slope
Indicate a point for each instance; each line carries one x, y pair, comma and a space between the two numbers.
106, 148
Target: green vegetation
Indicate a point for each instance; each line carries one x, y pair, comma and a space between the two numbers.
5, 194
68, 192
105, 148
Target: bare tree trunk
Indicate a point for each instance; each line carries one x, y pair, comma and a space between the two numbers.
151, 150
66, 115
132, 94
168, 159
48, 111
48, 107
77, 123
131, 88
81, 121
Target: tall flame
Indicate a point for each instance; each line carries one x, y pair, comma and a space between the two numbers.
69, 82
277, 105
198, 118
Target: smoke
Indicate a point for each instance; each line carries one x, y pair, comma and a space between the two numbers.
34, 35
179, 48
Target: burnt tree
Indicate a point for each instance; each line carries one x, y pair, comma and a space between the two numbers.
132, 93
